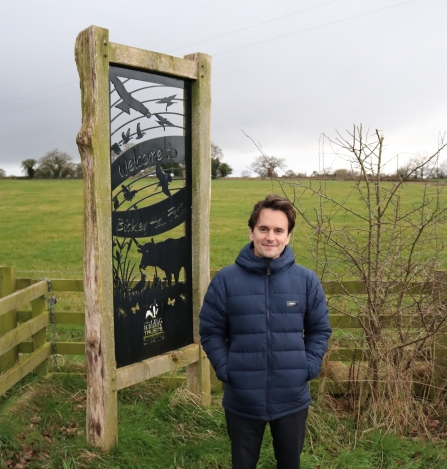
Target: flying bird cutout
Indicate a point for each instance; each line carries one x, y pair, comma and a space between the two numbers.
126, 136
128, 101
163, 121
168, 101
116, 148
164, 179
140, 134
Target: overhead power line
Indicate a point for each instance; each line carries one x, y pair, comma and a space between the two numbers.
253, 26
314, 27
37, 92
230, 50
39, 104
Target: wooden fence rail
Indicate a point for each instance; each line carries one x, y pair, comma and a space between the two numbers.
25, 332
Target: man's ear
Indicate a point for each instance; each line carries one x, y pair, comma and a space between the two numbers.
288, 239
250, 234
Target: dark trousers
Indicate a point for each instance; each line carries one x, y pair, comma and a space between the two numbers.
246, 438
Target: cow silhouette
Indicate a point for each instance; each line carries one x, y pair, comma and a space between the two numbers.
169, 256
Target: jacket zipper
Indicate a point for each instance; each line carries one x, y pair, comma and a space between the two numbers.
268, 339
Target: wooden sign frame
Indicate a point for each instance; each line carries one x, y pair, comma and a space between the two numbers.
94, 54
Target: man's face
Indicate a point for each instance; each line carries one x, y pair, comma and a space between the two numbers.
270, 235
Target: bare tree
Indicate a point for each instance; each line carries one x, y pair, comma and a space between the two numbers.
54, 165
2, 173
393, 250
267, 166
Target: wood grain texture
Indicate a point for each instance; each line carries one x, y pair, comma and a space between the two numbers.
91, 53
151, 61
22, 332
17, 299
198, 375
156, 366
8, 321
28, 364
40, 318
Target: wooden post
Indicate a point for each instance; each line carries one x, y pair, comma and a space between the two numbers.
440, 346
39, 306
8, 321
93, 140
198, 374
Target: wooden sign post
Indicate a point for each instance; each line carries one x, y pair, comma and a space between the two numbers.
145, 150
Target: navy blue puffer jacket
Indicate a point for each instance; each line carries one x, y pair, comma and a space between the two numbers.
264, 325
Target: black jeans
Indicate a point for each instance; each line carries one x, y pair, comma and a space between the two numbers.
246, 438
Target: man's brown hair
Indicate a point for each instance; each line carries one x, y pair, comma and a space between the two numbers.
275, 202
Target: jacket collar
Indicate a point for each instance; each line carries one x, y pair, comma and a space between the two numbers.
259, 265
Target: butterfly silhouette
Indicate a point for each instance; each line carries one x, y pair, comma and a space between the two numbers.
135, 309
128, 194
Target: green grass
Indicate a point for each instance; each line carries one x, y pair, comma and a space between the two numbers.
41, 229
42, 425
43, 422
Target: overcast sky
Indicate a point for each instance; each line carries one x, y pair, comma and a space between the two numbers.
284, 72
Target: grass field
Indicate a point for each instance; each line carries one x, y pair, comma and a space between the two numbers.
42, 422
41, 221
42, 425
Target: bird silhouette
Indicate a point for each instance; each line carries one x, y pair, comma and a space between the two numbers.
140, 134
128, 101
116, 148
141, 283
126, 136
164, 179
116, 203
128, 194
167, 101
163, 121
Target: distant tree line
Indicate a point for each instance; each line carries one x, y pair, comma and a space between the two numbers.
415, 168
219, 169
55, 164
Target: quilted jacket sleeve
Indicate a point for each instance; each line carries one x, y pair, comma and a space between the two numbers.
214, 328
317, 329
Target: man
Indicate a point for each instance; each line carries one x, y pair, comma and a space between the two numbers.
264, 325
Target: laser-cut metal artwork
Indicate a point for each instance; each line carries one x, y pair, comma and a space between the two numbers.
150, 204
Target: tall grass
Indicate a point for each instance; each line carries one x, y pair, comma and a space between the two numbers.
42, 426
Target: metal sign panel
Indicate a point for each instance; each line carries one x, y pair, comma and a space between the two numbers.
151, 213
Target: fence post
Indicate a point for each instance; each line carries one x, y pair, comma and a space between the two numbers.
9, 320
39, 306
198, 374
92, 60
440, 346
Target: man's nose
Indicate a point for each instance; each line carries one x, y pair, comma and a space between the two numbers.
270, 234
